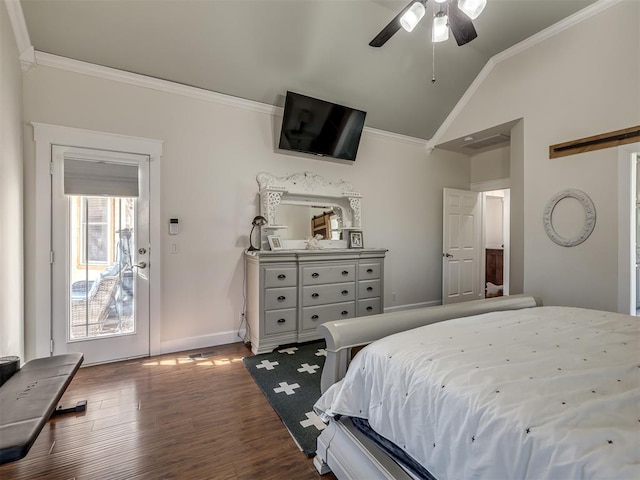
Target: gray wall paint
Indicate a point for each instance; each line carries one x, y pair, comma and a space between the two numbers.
11, 249
211, 155
580, 82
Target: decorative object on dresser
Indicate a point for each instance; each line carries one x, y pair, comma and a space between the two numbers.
290, 293
355, 239
274, 242
291, 202
257, 221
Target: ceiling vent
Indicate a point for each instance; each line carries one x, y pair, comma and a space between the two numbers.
492, 141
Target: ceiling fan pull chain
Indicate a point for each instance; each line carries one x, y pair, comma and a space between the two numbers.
433, 64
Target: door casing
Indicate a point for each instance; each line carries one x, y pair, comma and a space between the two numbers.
38, 268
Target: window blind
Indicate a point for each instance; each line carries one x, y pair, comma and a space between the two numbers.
100, 178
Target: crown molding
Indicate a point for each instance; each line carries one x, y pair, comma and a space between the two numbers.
516, 49
21, 34
395, 136
166, 86
108, 73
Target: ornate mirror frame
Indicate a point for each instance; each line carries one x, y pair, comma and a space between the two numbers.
305, 188
587, 228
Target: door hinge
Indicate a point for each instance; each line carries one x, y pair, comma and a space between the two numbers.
51, 346
51, 257
50, 168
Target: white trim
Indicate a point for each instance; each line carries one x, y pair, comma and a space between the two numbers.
413, 306
202, 341
499, 184
45, 136
107, 73
627, 155
21, 34
396, 136
520, 47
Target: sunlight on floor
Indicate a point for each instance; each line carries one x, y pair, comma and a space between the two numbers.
185, 360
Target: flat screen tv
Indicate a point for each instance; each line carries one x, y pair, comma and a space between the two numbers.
314, 126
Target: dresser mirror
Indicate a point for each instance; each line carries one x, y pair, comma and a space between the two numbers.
304, 221
301, 205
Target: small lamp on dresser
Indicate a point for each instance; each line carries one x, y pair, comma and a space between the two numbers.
258, 221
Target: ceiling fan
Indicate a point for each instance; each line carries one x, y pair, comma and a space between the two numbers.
456, 15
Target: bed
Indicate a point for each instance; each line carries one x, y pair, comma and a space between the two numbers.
499, 388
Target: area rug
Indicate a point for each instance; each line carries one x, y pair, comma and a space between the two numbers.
290, 379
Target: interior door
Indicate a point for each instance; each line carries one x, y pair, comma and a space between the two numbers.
100, 254
462, 242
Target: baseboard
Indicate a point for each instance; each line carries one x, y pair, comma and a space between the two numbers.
192, 343
412, 306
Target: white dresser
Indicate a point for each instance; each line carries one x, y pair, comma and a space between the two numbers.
291, 292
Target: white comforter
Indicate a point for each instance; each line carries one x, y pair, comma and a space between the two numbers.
548, 392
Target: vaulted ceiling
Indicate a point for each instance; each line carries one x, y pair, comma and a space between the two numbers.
259, 49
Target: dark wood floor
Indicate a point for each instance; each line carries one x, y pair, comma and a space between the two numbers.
166, 418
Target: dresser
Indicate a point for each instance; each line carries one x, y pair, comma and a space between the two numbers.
290, 293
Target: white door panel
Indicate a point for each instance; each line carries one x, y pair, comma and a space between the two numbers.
461, 246
100, 243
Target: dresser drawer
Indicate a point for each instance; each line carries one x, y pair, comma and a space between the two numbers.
369, 306
279, 298
280, 277
328, 274
369, 289
314, 316
369, 271
280, 321
331, 293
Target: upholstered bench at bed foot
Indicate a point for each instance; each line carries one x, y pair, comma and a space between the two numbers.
29, 398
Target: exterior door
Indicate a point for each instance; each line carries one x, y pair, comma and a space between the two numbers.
462, 243
100, 251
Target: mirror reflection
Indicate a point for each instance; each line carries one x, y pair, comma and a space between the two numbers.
304, 221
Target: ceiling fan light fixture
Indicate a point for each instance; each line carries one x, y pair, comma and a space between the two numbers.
412, 17
472, 8
440, 31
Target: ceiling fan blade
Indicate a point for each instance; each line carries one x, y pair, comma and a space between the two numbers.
392, 27
461, 25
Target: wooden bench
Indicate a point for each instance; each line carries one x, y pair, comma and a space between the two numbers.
29, 398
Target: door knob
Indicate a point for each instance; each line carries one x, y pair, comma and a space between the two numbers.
140, 265
448, 255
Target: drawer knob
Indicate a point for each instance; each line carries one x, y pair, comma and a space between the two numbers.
314, 317
369, 308
369, 270
345, 273
282, 276
282, 298
344, 312
369, 289
281, 320
315, 275
315, 295
345, 292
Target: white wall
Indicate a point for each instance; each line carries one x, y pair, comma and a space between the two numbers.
491, 165
211, 155
493, 222
580, 82
11, 250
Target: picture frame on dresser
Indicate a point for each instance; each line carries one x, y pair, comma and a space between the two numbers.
355, 239
275, 243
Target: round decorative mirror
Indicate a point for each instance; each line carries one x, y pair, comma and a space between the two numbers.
584, 230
